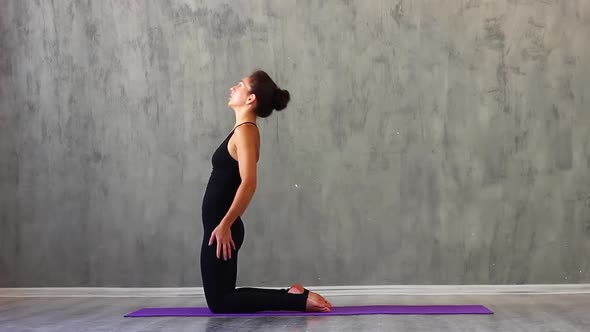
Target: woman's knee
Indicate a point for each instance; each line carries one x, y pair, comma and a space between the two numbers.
219, 307
216, 303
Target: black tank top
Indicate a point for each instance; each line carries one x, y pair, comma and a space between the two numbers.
223, 183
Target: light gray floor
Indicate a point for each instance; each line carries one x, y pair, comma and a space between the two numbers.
512, 313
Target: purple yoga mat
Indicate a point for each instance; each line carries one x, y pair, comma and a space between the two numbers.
336, 311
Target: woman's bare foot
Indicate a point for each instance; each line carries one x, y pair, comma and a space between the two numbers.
315, 302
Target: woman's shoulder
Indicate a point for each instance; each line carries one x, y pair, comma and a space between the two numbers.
246, 135
246, 129
246, 125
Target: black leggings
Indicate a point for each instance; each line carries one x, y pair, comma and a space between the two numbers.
219, 281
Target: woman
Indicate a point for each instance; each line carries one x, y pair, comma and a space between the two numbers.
230, 189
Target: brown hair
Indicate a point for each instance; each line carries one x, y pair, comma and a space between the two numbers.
269, 96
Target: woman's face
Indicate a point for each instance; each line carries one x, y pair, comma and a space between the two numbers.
240, 93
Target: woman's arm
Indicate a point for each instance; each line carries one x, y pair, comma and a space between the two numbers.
247, 144
246, 140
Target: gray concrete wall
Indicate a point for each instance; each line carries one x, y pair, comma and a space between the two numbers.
427, 142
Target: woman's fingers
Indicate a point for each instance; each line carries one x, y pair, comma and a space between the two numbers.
223, 250
211, 238
224, 245
218, 249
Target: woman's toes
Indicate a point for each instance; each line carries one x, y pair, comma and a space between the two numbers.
317, 303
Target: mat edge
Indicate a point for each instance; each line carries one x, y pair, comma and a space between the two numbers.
138, 313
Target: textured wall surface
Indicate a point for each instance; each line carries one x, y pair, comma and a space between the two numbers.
427, 142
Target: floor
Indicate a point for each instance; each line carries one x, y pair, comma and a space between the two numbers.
512, 313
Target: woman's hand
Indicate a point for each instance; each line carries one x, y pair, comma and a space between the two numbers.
222, 234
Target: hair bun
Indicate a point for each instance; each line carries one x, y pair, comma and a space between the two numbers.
280, 99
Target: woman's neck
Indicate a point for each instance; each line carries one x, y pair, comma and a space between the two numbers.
245, 116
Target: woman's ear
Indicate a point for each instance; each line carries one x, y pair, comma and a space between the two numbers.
251, 99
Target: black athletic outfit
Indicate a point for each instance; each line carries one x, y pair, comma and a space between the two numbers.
219, 276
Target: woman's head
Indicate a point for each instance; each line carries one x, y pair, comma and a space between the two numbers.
261, 92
